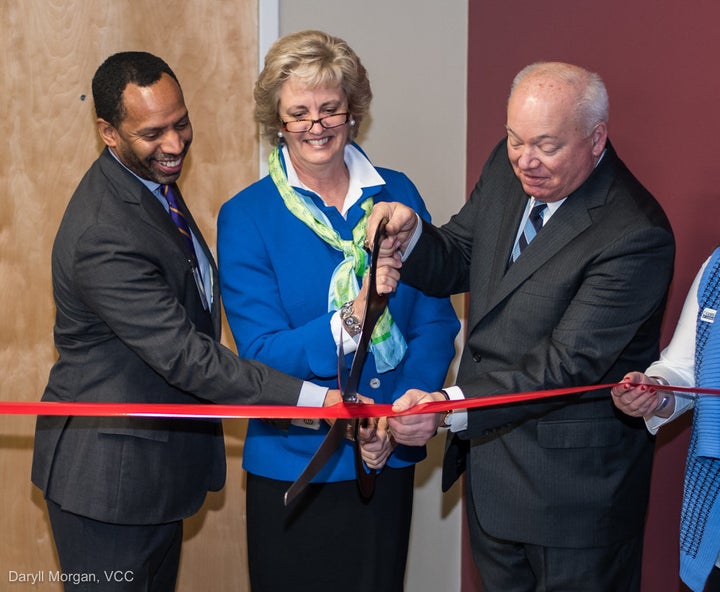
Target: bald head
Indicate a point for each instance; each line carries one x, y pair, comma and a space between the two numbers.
582, 90
557, 128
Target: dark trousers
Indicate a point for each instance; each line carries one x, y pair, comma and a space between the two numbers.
329, 539
98, 556
512, 566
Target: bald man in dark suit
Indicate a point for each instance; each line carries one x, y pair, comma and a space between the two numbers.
567, 259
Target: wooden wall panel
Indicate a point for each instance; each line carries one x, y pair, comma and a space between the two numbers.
49, 50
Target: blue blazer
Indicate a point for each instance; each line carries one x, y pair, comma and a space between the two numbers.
274, 278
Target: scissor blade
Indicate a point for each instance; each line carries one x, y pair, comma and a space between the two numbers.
374, 308
327, 448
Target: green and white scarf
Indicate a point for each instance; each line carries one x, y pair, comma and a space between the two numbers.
387, 342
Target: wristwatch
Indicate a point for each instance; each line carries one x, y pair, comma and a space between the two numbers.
447, 418
666, 398
349, 320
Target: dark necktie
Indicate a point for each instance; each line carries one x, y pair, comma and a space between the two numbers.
532, 227
178, 218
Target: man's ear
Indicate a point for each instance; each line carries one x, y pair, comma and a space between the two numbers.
599, 138
107, 132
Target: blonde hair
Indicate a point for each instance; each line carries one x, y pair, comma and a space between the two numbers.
318, 60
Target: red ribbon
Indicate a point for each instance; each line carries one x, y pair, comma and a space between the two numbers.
341, 410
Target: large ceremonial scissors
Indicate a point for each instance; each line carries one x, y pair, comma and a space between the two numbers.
374, 307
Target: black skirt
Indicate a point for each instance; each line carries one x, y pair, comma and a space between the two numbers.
329, 538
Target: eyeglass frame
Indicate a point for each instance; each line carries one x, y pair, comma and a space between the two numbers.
312, 122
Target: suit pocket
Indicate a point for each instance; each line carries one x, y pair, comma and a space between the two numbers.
147, 429
545, 287
596, 433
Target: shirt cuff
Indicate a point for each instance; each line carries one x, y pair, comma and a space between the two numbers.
459, 417
682, 404
413, 240
312, 395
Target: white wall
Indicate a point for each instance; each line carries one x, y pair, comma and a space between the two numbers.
415, 52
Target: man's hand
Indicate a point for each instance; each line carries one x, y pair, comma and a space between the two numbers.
415, 430
333, 397
402, 222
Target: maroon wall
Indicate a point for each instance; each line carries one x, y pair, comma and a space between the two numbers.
658, 61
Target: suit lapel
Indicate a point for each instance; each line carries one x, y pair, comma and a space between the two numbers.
194, 227
567, 222
133, 192
215, 285
493, 247
151, 211
573, 217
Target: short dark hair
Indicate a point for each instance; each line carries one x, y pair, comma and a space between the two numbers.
116, 72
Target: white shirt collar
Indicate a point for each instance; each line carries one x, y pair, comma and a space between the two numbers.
362, 175
552, 207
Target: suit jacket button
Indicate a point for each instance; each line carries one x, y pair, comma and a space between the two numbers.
477, 357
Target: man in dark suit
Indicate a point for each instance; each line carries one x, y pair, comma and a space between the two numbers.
557, 489
138, 320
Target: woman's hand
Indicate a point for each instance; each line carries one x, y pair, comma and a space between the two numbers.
376, 443
638, 396
387, 273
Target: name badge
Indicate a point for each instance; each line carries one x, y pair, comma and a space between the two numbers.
708, 315
312, 424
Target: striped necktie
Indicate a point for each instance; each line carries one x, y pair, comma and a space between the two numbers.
179, 218
532, 227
